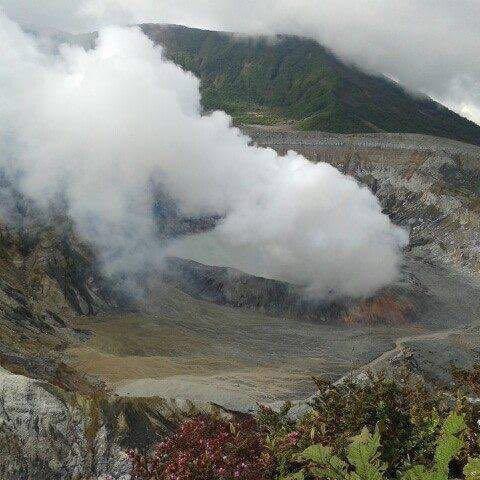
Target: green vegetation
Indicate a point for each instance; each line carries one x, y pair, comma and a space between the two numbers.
375, 430
363, 458
291, 79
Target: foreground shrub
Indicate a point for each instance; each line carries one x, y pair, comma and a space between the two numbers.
206, 448
418, 434
407, 414
363, 458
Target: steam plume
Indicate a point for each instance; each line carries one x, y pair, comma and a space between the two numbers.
100, 126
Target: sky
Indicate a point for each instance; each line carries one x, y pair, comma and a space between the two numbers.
429, 46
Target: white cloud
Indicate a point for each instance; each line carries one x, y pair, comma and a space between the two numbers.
428, 45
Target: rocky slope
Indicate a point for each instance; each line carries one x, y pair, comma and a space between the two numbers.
431, 187
426, 184
85, 363
228, 286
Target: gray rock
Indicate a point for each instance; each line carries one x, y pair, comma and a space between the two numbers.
46, 434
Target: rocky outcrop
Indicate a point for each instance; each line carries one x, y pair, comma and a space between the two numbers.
228, 286
48, 434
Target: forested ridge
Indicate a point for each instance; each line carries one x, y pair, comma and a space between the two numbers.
288, 79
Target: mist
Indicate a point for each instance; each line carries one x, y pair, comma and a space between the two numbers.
428, 46
107, 127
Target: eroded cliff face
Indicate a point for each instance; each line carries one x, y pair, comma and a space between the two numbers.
48, 277
427, 184
47, 432
55, 421
60, 415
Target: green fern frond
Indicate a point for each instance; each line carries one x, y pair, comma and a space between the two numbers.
454, 424
450, 443
327, 465
317, 454
364, 457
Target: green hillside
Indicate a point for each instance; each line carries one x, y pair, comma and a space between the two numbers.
292, 79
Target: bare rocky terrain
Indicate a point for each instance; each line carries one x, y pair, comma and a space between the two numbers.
243, 339
88, 371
